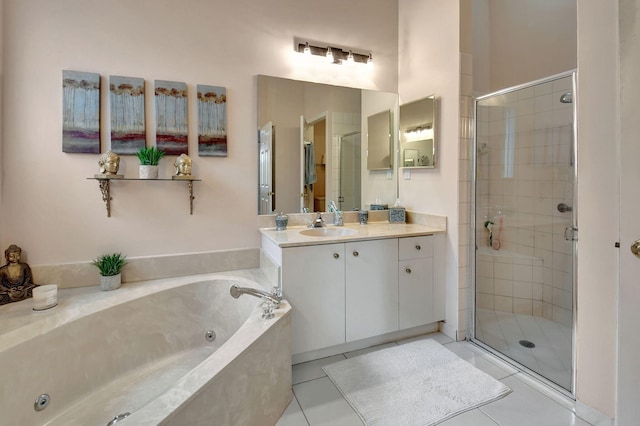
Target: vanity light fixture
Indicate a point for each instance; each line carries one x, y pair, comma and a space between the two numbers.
334, 54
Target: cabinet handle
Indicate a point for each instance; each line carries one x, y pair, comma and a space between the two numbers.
418, 247
356, 254
336, 255
408, 270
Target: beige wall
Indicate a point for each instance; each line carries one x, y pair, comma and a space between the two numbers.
48, 206
427, 68
598, 220
544, 29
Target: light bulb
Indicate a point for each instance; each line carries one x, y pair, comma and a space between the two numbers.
307, 49
329, 55
350, 57
370, 60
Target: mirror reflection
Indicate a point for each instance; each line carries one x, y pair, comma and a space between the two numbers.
418, 136
314, 139
379, 155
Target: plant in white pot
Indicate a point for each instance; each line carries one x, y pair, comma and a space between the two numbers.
110, 266
149, 159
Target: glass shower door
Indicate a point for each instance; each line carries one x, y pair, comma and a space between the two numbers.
525, 228
349, 174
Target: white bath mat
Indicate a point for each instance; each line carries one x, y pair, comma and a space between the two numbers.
415, 384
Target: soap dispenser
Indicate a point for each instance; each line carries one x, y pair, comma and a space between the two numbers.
281, 221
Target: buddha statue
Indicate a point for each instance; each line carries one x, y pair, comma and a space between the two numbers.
109, 163
183, 165
16, 281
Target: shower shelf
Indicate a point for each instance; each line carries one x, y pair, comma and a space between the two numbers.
105, 188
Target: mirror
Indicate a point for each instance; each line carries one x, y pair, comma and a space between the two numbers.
379, 155
418, 134
314, 139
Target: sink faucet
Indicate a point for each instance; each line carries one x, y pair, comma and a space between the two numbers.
337, 216
318, 221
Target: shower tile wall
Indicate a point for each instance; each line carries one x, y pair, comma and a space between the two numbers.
524, 168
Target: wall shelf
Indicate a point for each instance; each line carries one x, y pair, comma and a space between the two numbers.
105, 188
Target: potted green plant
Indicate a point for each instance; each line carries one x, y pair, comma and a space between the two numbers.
110, 266
149, 159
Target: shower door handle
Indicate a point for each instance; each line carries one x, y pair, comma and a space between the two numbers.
570, 233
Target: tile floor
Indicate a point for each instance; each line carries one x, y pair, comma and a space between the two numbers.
318, 402
551, 357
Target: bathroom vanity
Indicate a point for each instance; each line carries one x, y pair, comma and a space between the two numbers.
350, 283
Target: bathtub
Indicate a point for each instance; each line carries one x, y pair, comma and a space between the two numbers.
143, 349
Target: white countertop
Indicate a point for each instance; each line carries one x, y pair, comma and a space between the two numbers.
291, 237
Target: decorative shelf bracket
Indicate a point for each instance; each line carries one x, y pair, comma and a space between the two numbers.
191, 197
105, 189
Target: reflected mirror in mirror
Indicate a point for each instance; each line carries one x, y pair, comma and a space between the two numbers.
379, 155
313, 146
418, 133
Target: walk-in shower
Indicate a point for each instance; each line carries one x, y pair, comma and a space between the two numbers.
525, 226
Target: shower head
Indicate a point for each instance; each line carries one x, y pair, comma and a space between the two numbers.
566, 98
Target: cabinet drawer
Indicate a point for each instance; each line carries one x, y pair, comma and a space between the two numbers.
415, 247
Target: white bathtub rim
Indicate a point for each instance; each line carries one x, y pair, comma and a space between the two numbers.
193, 383
69, 310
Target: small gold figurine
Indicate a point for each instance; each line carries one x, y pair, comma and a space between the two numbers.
16, 281
183, 167
109, 163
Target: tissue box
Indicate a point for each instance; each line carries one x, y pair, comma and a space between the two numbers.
397, 215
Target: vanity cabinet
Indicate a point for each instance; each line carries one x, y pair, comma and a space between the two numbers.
343, 292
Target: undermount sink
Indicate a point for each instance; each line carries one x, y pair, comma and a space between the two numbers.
327, 232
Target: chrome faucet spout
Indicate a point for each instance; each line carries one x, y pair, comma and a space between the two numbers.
237, 291
318, 222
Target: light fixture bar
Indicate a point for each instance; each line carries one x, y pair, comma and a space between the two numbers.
339, 54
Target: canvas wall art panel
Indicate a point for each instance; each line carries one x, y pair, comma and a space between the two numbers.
212, 121
126, 95
80, 112
171, 117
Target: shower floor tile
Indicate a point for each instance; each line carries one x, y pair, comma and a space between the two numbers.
551, 357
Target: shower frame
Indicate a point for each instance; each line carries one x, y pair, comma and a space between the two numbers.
471, 333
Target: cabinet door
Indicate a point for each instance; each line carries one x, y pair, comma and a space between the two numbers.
371, 288
313, 282
416, 297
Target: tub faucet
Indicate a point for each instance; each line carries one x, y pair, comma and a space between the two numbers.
274, 297
337, 216
318, 221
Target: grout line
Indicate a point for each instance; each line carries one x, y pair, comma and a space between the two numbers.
300, 406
